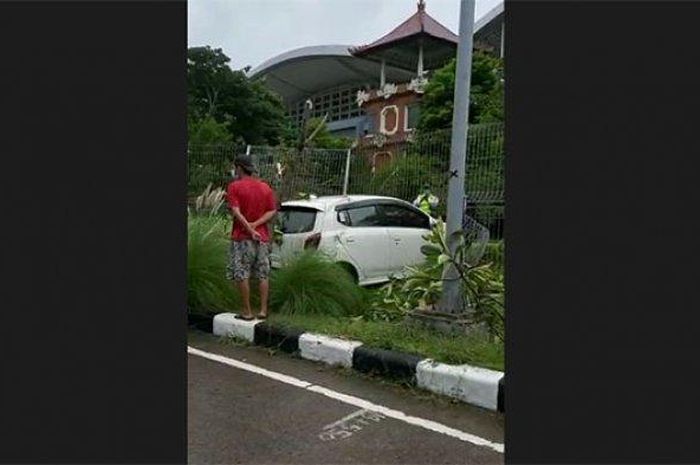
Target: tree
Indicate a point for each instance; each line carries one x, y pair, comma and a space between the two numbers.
207, 131
248, 109
486, 98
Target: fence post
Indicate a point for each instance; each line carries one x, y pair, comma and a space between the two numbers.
346, 180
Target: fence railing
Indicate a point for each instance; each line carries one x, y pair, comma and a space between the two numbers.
396, 169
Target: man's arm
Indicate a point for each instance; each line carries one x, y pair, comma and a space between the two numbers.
271, 205
266, 218
250, 228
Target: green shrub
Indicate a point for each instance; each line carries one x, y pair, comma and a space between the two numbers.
482, 283
495, 253
208, 290
310, 283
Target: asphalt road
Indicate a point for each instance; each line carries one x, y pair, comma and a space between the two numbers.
236, 416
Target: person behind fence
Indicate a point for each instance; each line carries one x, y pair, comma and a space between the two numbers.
253, 205
426, 200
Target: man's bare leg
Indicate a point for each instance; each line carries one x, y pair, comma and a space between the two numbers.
244, 287
264, 286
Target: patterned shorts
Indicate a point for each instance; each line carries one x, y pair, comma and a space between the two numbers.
248, 259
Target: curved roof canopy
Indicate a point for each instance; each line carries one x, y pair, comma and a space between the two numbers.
305, 71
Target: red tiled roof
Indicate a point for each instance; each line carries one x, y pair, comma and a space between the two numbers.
420, 22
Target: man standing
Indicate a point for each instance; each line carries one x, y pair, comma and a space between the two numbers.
253, 205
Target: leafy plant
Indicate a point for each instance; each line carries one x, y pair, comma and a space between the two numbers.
310, 283
484, 291
208, 290
482, 284
495, 253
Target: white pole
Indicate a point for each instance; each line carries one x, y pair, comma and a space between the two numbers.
346, 181
503, 35
450, 301
247, 149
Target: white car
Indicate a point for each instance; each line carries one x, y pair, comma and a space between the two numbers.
374, 237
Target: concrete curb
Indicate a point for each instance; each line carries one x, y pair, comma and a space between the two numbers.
396, 365
226, 324
473, 385
287, 340
329, 350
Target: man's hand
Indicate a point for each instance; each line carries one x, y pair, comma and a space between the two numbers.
253, 233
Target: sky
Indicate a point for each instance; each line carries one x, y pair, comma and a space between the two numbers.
252, 31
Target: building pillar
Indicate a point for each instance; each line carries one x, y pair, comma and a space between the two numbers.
420, 59
382, 77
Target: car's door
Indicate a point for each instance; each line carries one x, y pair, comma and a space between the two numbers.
365, 240
405, 227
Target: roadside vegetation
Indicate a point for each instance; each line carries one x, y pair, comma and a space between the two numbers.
312, 293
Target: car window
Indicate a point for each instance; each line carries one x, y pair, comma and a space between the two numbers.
397, 216
294, 220
364, 216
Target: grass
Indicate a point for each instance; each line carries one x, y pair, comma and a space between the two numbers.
312, 284
208, 290
401, 337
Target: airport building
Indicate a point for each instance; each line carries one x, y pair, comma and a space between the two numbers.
333, 75
372, 92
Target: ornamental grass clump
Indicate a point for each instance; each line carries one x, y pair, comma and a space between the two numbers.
310, 283
208, 290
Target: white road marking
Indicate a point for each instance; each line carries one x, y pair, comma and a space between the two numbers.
345, 419
352, 400
349, 425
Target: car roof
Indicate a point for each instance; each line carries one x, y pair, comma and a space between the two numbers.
328, 202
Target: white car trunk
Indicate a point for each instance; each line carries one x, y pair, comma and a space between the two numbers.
297, 224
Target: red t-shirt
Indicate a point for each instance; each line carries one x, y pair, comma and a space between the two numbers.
254, 198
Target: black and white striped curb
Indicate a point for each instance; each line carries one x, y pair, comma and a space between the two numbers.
477, 386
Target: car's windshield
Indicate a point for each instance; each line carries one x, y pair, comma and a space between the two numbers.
294, 220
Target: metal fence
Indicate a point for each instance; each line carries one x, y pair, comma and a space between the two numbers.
396, 169
210, 164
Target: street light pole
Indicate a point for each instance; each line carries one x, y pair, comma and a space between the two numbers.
451, 300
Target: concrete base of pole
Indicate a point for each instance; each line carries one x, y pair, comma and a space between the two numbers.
447, 323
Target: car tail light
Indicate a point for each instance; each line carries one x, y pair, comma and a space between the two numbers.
312, 241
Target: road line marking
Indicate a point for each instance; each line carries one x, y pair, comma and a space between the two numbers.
416, 421
345, 419
248, 367
352, 400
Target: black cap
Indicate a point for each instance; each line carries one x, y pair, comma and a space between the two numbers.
245, 162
